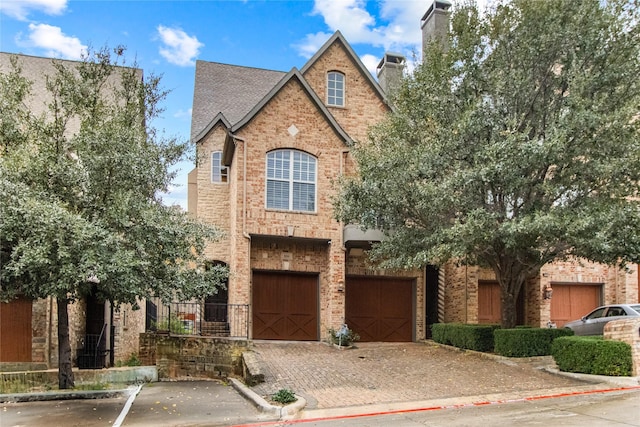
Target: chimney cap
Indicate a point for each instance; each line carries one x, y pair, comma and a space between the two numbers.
392, 58
443, 5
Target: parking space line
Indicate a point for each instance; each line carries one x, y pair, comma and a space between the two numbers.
127, 406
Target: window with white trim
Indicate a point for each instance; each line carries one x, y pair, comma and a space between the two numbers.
335, 89
219, 172
291, 181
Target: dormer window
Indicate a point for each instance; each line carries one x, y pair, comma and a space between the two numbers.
219, 172
335, 89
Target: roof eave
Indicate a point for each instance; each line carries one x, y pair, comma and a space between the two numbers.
294, 73
219, 118
356, 59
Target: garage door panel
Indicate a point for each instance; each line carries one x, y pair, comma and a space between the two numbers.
570, 302
285, 306
380, 309
15, 330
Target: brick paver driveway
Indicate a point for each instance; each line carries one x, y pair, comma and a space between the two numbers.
329, 377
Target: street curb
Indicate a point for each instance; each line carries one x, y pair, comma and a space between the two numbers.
283, 412
65, 395
620, 381
542, 363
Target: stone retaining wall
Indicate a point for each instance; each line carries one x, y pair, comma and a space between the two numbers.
192, 356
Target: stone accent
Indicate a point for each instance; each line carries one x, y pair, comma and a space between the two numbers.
187, 356
626, 330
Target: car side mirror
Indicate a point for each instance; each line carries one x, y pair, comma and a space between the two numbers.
583, 318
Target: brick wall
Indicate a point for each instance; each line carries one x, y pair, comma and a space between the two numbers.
626, 330
363, 106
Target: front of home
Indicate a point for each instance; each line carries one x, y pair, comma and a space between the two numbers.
271, 147
266, 173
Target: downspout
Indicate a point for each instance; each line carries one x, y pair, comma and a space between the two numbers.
466, 294
343, 155
245, 234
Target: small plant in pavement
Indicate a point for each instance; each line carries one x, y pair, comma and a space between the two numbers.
284, 396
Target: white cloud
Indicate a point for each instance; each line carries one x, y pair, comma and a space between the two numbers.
182, 114
350, 17
371, 62
179, 48
310, 45
54, 42
396, 27
19, 9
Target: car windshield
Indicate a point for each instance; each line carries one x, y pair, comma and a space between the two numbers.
596, 313
636, 308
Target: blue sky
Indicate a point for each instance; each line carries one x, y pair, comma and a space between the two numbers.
167, 37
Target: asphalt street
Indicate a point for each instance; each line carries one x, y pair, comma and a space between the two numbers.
208, 403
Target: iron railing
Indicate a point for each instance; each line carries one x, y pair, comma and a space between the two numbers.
198, 318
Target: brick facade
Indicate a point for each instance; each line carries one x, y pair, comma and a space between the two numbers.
461, 288
276, 240
258, 238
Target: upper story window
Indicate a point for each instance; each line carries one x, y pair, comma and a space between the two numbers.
219, 173
291, 181
335, 89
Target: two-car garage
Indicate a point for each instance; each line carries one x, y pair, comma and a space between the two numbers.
286, 306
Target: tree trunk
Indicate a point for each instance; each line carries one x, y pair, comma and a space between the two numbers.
509, 312
65, 372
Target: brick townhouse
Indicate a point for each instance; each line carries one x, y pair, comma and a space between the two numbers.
271, 146
29, 329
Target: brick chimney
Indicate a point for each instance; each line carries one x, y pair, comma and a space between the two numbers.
435, 23
390, 70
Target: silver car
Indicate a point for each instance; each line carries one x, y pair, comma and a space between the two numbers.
593, 323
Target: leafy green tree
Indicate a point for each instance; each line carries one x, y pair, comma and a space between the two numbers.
517, 145
80, 193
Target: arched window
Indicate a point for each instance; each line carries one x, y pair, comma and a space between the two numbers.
335, 89
219, 173
291, 181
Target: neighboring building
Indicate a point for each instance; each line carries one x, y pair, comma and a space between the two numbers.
271, 146
28, 329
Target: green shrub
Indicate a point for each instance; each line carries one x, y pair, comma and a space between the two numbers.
526, 342
343, 336
131, 361
284, 396
472, 337
173, 324
592, 355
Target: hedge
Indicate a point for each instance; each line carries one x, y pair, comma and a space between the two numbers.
592, 355
467, 336
526, 342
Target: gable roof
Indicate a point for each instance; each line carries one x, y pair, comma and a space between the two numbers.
233, 94
294, 74
337, 36
227, 91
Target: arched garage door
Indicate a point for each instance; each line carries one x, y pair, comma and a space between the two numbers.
572, 301
380, 309
285, 306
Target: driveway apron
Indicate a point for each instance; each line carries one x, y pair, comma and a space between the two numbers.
373, 373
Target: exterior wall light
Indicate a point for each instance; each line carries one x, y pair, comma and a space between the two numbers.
547, 293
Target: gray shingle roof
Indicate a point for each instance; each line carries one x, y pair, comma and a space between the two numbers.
228, 89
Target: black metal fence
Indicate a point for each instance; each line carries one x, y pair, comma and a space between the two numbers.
198, 318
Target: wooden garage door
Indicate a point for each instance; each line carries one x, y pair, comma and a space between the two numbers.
380, 309
489, 304
15, 331
571, 302
285, 306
